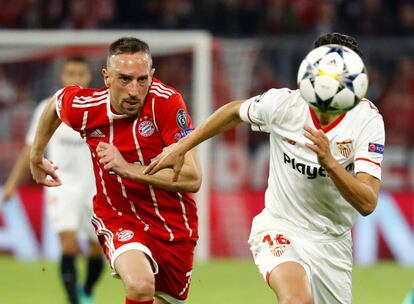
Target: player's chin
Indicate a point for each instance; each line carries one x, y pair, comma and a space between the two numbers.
131, 110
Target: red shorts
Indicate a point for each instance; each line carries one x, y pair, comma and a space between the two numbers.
172, 261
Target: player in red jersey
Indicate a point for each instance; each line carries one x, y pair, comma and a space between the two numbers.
146, 225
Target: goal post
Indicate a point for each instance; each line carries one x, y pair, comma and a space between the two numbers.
26, 45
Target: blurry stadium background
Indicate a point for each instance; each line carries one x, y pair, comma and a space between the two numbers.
219, 50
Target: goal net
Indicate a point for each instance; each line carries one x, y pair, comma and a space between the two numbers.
30, 62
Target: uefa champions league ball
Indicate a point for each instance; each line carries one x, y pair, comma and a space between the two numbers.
332, 78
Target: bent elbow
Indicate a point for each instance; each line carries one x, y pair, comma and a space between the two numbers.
194, 186
367, 210
365, 213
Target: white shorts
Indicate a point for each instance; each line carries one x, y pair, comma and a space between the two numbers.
70, 209
326, 260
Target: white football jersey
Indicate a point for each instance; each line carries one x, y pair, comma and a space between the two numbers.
68, 151
299, 189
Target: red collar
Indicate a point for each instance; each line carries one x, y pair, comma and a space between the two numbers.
330, 126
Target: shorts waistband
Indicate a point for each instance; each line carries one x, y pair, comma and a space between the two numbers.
315, 235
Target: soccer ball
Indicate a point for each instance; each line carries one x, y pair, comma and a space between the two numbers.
332, 78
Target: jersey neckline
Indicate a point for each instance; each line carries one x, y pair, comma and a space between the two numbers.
330, 126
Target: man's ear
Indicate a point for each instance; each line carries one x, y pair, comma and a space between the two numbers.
105, 74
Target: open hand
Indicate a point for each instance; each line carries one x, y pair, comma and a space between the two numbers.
320, 145
170, 157
44, 173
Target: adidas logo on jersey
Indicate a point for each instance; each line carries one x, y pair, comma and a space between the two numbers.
97, 133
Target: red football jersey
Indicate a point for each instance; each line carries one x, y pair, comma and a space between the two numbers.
162, 121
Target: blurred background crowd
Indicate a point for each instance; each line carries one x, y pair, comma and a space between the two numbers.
230, 18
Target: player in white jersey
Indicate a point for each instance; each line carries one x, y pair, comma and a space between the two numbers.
323, 170
69, 207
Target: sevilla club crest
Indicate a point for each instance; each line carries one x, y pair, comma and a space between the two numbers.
345, 148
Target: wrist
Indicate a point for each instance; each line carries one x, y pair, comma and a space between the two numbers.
124, 172
331, 165
36, 158
182, 146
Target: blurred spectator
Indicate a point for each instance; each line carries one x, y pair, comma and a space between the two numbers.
306, 12
52, 13
229, 18
376, 84
20, 113
406, 18
12, 13
368, 17
326, 18
277, 17
176, 14
130, 13
7, 90
88, 14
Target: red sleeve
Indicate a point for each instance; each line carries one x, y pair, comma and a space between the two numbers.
173, 120
67, 114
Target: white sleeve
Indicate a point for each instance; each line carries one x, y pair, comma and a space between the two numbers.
369, 148
261, 110
35, 121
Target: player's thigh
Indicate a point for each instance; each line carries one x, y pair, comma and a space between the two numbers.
290, 283
118, 235
277, 256
133, 267
160, 301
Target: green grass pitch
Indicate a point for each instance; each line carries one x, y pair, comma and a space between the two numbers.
215, 282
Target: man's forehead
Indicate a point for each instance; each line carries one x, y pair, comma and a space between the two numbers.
130, 59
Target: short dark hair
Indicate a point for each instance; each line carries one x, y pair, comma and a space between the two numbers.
128, 45
338, 38
77, 59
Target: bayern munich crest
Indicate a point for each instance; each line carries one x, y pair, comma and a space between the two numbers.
125, 235
146, 128
345, 148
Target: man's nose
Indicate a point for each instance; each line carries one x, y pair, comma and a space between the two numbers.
133, 88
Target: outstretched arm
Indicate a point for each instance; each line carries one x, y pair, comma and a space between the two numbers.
189, 181
361, 191
221, 120
19, 169
43, 171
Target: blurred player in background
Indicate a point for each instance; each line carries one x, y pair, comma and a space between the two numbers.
301, 241
69, 207
146, 225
